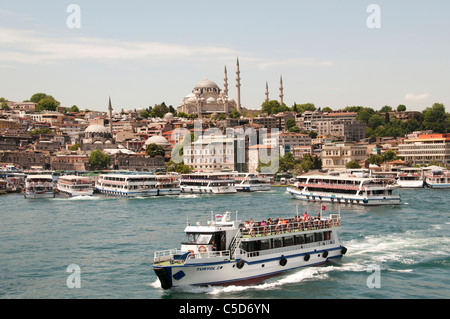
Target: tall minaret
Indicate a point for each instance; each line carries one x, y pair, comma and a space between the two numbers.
267, 92
225, 82
110, 115
281, 91
238, 86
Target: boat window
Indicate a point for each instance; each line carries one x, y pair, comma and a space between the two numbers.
319, 236
309, 238
265, 244
198, 239
288, 241
299, 239
277, 242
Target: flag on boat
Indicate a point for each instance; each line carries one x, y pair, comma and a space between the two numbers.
323, 207
219, 217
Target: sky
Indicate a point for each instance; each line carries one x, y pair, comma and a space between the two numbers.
141, 53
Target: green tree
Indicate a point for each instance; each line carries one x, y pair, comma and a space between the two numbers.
155, 150
290, 123
180, 168
352, 164
159, 110
327, 109
375, 159
389, 155
47, 103
401, 108
144, 114
273, 107
4, 106
75, 147
37, 97
385, 109
435, 118
234, 114
74, 109
99, 160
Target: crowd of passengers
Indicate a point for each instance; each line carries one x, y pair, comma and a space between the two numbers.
297, 223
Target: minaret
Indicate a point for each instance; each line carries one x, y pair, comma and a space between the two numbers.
238, 86
225, 82
110, 115
281, 91
267, 92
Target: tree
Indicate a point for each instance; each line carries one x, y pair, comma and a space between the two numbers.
435, 118
144, 114
389, 155
352, 164
385, 109
327, 109
4, 106
159, 110
401, 108
234, 114
376, 159
74, 109
180, 168
75, 147
99, 160
290, 123
37, 97
155, 150
273, 107
48, 103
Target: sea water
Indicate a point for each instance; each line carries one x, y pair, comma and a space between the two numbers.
393, 251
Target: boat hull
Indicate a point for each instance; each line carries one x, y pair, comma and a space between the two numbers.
411, 184
438, 186
208, 189
247, 270
252, 187
32, 195
344, 198
146, 193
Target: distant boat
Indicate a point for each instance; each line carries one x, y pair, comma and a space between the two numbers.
438, 178
39, 186
127, 185
208, 183
410, 177
249, 182
347, 189
72, 186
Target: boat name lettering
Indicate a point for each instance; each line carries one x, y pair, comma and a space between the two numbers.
209, 268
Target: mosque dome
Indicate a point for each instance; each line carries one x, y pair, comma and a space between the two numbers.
96, 128
211, 100
206, 84
168, 116
158, 140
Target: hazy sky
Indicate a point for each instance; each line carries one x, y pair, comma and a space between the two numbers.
145, 52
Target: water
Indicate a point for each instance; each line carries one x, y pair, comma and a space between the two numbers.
406, 248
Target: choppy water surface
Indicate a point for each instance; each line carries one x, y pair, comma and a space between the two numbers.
113, 240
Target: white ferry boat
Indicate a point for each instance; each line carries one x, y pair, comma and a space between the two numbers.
72, 186
207, 183
410, 177
39, 186
168, 185
345, 190
438, 178
249, 182
225, 252
127, 185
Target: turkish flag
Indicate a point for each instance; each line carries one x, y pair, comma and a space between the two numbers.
323, 207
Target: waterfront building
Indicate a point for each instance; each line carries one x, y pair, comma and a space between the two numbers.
426, 148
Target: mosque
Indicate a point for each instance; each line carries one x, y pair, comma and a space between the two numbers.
207, 98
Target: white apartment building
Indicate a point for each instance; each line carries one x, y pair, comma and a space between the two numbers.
336, 155
426, 148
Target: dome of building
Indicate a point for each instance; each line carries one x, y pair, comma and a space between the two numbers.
158, 140
168, 116
206, 84
96, 128
211, 100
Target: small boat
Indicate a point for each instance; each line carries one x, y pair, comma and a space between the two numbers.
39, 186
410, 177
249, 182
348, 189
438, 179
207, 183
72, 186
225, 252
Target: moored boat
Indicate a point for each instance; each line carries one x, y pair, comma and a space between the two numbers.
248, 182
207, 183
438, 178
168, 185
364, 191
73, 186
226, 252
410, 177
39, 186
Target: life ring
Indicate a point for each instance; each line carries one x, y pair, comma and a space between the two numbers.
202, 249
306, 258
325, 254
192, 253
240, 264
283, 261
329, 223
